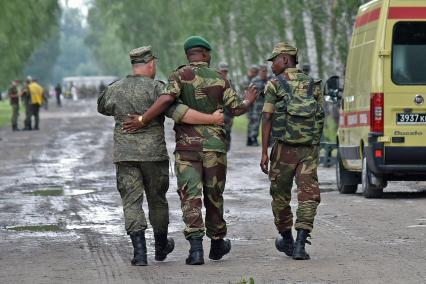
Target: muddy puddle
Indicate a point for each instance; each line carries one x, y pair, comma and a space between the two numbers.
59, 192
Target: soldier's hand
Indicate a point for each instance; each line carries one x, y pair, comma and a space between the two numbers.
218, 117
133, 123
264, 163
251, 93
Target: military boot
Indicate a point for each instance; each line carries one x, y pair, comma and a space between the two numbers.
299, 251
163, 246
139, 248
249, 141
285, 242
196, 252
219, 248
255, 143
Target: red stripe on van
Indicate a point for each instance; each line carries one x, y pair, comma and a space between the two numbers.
367, 18
354, 119
407, 13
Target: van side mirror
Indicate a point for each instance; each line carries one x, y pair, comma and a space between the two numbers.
332, 90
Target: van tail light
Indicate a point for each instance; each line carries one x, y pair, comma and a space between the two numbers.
376, 112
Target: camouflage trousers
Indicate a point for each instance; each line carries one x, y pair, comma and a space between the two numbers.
229, 119
135, 178
254, 116
201, 175
289, 162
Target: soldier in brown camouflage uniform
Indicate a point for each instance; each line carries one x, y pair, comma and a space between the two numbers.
200, 149
141, 158
293, 109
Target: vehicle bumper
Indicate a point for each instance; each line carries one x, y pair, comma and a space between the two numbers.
396, 163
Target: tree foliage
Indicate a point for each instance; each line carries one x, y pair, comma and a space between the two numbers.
242, 31
24, 25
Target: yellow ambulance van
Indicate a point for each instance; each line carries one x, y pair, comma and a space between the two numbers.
382, 128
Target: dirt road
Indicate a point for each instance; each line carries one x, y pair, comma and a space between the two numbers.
61, 218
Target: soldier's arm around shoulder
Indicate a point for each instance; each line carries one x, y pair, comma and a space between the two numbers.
105, 105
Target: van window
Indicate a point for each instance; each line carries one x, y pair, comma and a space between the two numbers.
409, 53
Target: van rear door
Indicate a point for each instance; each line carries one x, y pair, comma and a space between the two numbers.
405, 83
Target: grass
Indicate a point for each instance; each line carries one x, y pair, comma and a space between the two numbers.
47, 192
240, 124
37, 228
5, 112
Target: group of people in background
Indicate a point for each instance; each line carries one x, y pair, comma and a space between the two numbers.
32, 95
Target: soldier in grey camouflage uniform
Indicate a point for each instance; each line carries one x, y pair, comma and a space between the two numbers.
229, 119
248, 79
255, 113
142, 162
294, 111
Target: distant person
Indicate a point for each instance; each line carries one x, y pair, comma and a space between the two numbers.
229, 119
74, 93
46, 96
252, 72
26, 99
36, 92
101, 87
306, 68
58, 93
255, 113
14, 102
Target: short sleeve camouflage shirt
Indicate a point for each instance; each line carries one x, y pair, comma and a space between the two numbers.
205, 90
274, 92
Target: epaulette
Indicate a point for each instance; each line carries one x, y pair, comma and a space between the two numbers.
180, 67
274, 82
113, 82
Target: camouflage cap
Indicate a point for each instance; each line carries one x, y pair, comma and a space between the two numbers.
223, 66
141, 54
282, 47
196, 41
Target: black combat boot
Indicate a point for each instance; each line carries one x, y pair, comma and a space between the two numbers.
196, 252
255, 143
163, 246
285, 242
249, 141
139, 248
219, 248
299, 251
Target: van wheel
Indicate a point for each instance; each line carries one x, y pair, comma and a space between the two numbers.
369, 190
346, 181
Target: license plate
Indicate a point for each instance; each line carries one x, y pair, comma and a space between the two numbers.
411, 118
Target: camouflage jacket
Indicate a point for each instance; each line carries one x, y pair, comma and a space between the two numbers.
301, 120
13, 95
205, 90
134, 95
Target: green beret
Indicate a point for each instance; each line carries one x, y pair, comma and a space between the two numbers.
196, 41
141, 54
282, 47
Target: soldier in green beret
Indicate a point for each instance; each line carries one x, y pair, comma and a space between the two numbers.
293, 110
141, 159
200, 149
